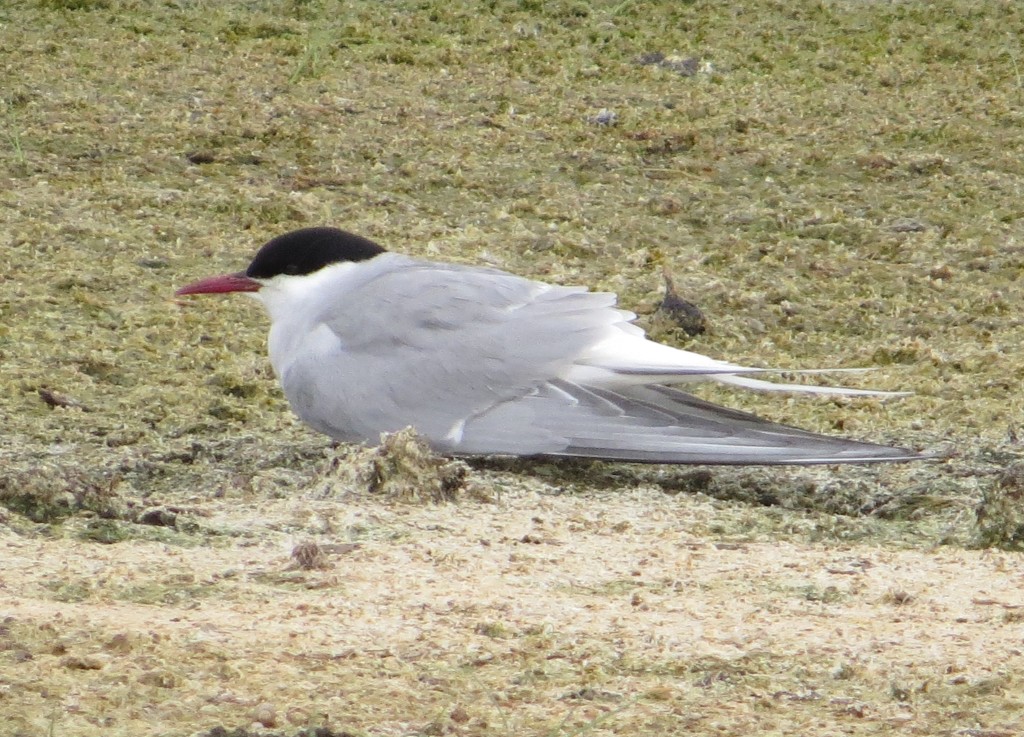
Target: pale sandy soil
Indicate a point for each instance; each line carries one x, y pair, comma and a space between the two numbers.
532, 614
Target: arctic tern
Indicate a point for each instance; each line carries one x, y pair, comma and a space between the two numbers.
482, 362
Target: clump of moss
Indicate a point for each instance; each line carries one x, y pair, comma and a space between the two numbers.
104, 531
1000, 513
51, 494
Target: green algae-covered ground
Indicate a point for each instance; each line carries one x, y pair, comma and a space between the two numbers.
832, 183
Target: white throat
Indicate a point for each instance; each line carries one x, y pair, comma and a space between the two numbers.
299, 306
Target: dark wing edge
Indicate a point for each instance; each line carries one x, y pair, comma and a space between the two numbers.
659, 424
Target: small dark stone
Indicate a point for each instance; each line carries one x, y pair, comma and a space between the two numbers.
651, 57
907, 225
201, 157
686, 67
153, 263
605, 117
158, 517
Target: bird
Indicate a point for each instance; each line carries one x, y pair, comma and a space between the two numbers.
482, 362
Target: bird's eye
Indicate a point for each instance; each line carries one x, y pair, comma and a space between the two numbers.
291, 269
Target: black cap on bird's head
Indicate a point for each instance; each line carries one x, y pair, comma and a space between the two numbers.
308, 250
297, 253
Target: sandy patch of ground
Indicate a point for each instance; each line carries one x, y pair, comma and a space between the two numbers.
531, 614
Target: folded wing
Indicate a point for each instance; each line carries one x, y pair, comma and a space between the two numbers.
653, 424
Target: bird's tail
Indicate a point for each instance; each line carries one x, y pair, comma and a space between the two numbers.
771, 386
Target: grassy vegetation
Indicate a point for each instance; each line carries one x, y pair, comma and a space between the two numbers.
832, 183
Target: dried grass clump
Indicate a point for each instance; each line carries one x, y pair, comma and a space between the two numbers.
402, 468
310, 556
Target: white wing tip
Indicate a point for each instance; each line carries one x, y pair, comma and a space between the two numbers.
770, 386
